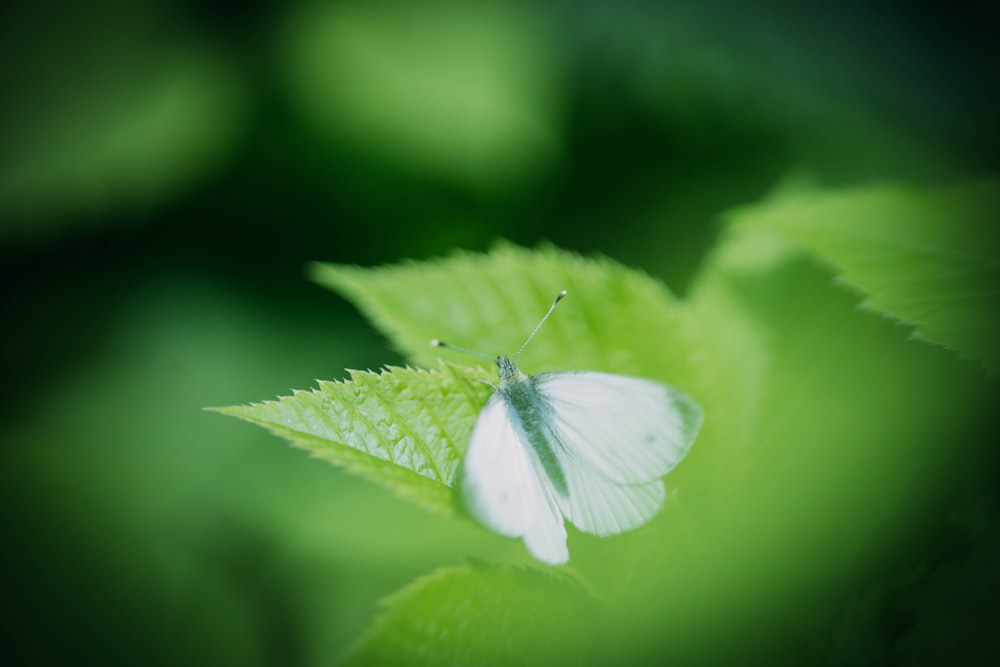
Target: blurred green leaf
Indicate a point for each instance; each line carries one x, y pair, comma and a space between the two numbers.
406, 429
462, 92
96, 149
827, 433
929, 258
106, 110
482, 616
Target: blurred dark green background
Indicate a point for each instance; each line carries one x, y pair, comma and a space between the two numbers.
167, 169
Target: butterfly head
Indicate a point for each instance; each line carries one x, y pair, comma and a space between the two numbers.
508, 369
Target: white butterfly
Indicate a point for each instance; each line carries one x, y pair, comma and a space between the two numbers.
587, 446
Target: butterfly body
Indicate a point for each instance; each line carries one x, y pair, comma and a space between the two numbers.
531, 416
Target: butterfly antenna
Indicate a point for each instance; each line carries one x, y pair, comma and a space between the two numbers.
441, 343
551, 308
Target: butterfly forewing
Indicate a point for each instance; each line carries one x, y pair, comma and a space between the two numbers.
504, 487
629, 430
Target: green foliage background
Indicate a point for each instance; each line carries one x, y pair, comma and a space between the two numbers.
788, 212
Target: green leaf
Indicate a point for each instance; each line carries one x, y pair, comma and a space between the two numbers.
614, 318
928, 258
406, 429
482, 616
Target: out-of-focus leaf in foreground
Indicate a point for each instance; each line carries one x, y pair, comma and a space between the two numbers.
477, 616
929, 258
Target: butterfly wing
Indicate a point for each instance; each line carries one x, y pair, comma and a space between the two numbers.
546, 538
615, 437
505, 488
598, 506
629, 430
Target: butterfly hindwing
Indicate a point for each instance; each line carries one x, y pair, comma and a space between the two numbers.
598, 506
